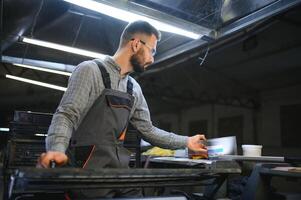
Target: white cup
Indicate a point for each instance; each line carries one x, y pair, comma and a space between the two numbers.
251, 150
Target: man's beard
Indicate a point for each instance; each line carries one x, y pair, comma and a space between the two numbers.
137, 66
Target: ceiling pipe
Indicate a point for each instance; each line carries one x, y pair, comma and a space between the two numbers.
39, 63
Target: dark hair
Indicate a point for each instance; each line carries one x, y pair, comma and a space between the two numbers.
138, 27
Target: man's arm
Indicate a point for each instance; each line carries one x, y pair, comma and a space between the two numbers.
142, 122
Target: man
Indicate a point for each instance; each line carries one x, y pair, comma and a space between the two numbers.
101, 99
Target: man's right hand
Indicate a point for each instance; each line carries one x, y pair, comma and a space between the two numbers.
58, 157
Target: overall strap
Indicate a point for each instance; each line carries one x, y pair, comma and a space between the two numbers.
129, 86
105, 75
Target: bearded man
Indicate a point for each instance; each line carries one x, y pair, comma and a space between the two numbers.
100, 101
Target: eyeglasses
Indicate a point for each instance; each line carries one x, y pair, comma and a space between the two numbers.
153, 51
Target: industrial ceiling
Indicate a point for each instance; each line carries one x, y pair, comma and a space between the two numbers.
246, 46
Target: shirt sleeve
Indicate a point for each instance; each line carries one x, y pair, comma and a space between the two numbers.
141, 120
71, 110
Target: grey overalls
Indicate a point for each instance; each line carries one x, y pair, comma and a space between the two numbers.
95, 143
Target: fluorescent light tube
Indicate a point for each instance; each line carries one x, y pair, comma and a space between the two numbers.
62, 47
43, 69
40, 135
36, 82
130, 17
4, 129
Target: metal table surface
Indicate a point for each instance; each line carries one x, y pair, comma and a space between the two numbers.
254, 158
214, 166
34, 180
29, 178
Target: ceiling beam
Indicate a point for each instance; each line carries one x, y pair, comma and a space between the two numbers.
261, 14
255, 22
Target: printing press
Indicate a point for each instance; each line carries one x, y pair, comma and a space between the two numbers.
22, 180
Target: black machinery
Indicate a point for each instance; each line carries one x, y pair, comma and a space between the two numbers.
27, 138
22, 180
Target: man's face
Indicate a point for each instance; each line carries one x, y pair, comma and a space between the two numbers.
145, 54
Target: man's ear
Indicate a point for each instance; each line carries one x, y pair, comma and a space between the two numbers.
135, 45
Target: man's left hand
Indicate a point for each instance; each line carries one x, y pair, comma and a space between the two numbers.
196, 143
